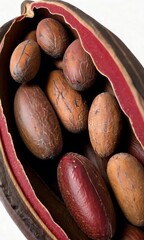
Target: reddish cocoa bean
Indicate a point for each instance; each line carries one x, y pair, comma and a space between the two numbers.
86, 196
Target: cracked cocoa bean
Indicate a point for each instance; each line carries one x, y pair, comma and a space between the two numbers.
78, 67
25, 61
52, 37
37, 122
70, 106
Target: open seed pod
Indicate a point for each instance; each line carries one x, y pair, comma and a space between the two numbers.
28, 185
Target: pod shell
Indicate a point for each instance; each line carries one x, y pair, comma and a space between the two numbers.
111, 57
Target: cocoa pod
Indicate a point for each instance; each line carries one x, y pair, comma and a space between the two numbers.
111, 57
86, 196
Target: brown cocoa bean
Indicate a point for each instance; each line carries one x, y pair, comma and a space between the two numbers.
52, 37
25, 61
37, 122
126, 176
68, 103
31, 35
78, 67
131, 232
135, 149
101, 164
104, 124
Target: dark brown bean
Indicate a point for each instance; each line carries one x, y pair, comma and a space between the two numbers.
37, 122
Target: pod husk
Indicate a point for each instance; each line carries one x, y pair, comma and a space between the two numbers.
22, 190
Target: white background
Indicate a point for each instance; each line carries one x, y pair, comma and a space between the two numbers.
123, 17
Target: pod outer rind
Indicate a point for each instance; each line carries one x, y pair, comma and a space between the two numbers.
17, 208
130, 74
4, 28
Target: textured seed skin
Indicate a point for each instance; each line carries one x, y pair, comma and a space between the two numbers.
31, 35
126, 176
25, 61
101, 164
104, 124
86, 196
78, 67
52, 37
37, 122
132, 233
68, 103
135, 149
